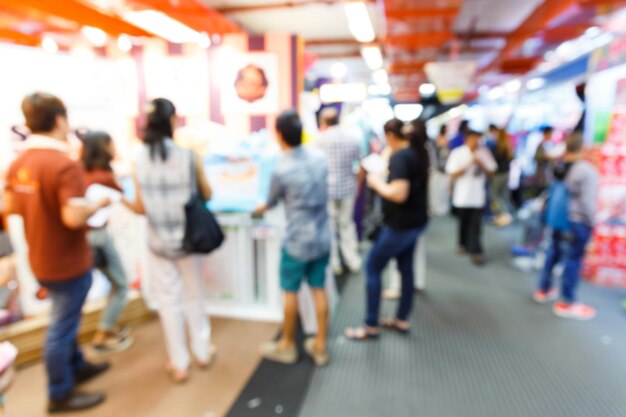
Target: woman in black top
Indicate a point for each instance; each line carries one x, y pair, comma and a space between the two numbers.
404, 196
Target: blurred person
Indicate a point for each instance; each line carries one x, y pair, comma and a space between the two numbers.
459, 139
469, 166
166, 176
343, 153
404, 195
96, 156
499, 187
46, 188
543, 160
442, 149
491, 138
568, 244
300, 181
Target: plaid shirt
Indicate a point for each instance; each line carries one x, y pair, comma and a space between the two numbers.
300, 180
165, 189
343, 152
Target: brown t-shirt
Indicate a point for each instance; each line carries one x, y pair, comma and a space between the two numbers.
42, 181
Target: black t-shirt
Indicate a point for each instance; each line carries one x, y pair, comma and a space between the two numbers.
408, 165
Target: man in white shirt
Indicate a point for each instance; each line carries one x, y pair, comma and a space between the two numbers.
343, 153
469, 166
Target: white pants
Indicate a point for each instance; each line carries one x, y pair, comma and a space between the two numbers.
179, 293
344, 230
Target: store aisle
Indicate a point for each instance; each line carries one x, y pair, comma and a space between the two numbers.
479, 348
138, 386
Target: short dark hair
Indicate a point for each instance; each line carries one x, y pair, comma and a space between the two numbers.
41, 111
473, 133
443, 130
547, 129
329, 116
493, 127
95, 153
289, 126
394, 126
464, 126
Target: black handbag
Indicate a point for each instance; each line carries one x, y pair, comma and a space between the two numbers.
203, 233
100, 260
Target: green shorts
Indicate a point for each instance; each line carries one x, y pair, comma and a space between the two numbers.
293, 271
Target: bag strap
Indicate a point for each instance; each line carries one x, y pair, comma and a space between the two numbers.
192, 174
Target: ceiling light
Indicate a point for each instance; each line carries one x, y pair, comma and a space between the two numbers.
359, 21
372, 56
162, 25
496, 93
535, 83
124, 43
49, 45
96, 36
408, 112
483, 90
204, 40
379, 90
427, 89
593, 31
343, 93
380, 76
338, 70
513, 86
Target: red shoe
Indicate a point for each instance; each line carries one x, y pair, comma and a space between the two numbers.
543, 297
574, 311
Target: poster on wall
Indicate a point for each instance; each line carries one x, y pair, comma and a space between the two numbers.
250, 84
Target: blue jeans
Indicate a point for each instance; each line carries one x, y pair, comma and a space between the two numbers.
62, 355
401, 246
114, 272
572, 250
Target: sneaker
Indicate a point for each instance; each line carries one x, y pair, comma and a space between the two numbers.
543, 297
113, 344
272, 352
574, 311
320, 358
76, 401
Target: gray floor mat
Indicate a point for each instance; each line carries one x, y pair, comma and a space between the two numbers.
479, 348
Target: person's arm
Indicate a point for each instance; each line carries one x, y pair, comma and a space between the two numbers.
135, 206
396, 191
75, 215
75, 210
203, 183
485, 161
453, 167
276, 193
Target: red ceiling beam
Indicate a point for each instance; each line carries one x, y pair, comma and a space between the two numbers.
422, 12
275, 6
406, 67
518, 65
601, 3
421, 40
80, 13
18, 37
335, 42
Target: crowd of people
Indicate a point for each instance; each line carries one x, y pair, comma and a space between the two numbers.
316, 184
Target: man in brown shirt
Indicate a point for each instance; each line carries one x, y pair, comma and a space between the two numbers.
46, 188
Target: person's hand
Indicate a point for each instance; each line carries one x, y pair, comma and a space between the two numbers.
105, 202
258, 212
374, 181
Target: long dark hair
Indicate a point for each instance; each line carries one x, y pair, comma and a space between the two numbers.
159, 126
415, 132
96, 152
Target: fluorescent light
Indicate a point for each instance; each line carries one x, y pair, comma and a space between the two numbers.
496, 93
483, 90
338, 70
379, 90
408, 112
343, 93
49, 45
535, 83
513, 86
124, 43
162, 25
359, 21
380, 76
593, 31
372, 56
96, 36
204, 40
427, 89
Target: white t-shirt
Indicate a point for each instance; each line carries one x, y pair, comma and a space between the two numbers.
470, 188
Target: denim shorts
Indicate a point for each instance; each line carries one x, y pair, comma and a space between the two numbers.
293, 271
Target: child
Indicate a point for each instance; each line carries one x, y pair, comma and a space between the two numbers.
300, 181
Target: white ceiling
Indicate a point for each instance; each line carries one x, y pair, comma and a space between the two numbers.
494, 15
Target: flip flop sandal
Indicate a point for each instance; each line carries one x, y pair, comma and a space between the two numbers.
393, 325
360, 334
